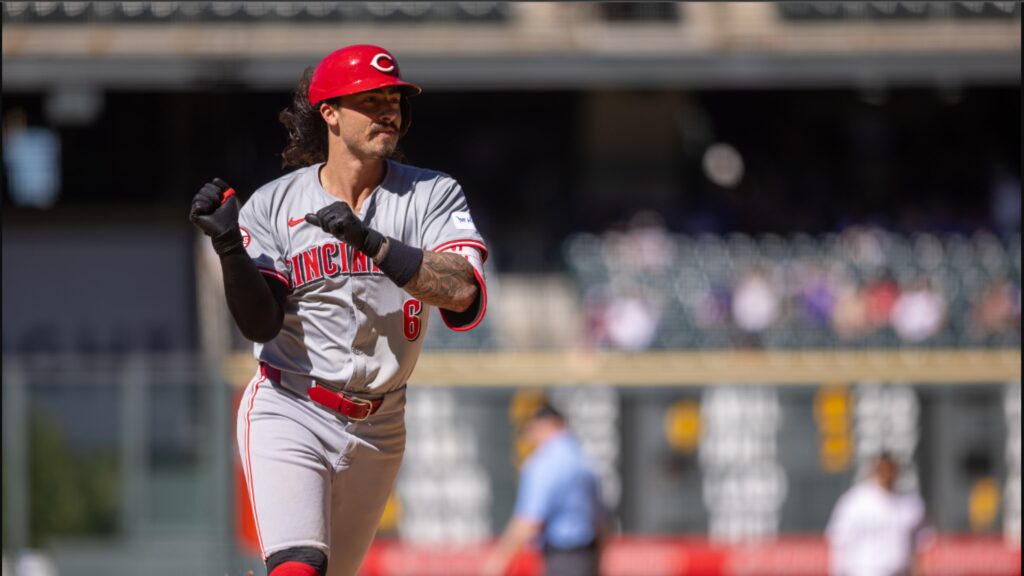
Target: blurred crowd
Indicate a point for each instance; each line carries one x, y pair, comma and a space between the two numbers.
643, 287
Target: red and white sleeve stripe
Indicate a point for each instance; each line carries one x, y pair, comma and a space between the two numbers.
476, 253
272, 273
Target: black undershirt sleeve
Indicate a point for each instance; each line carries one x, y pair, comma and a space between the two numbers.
256, 301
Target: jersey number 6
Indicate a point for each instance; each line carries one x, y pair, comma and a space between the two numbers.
411, 311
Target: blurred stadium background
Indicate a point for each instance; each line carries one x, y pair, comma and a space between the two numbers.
744, 246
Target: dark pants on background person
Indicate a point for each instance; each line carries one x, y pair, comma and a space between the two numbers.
582, 561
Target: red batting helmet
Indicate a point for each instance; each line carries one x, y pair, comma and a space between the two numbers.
355, 69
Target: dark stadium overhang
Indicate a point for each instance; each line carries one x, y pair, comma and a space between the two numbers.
526, 72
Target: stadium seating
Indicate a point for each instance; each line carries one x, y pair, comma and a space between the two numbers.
865, 287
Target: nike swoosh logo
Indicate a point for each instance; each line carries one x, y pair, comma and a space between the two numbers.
295, 221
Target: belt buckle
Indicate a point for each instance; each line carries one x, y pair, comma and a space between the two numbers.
361, 402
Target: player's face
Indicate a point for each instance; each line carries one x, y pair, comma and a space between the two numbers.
886, 472
529, 432
538, 430
369, 122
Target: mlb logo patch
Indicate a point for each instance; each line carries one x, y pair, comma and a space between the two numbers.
463, 221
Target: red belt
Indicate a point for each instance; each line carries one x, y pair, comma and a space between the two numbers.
353, 407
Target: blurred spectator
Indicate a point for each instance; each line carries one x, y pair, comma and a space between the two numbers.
631, 321
649, 243
626, 321
997, 311
755, 306
919, 312
618, 313
558, 506
850, 316
881, 296
595, 314
710, 307
644, 245
874, 530
31, 156
864, 247
817, 292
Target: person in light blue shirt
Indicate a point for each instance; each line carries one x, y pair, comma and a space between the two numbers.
558, 505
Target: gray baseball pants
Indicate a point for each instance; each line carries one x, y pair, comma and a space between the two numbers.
315, 478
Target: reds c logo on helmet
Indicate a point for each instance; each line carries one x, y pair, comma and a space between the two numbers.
355, 69
387, 66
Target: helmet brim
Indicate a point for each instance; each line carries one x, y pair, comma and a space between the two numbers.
408, 89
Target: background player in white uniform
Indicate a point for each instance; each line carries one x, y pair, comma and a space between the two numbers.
331, 270
876, 530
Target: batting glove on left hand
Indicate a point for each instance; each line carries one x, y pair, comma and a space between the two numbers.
215, 212
338, 220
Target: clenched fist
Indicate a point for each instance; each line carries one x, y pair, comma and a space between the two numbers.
215, 212
338, 220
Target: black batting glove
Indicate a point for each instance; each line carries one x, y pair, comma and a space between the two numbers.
339, 221
215, 212
400, 263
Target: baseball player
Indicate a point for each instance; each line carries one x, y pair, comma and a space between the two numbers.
332, 270
876, 530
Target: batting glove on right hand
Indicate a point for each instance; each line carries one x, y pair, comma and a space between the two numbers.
215, 212
338, 220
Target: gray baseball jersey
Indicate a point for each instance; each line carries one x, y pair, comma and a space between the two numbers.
345, 323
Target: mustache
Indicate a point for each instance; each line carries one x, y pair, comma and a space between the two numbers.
377, 128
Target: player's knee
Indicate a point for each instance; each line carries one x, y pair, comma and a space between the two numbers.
297, 562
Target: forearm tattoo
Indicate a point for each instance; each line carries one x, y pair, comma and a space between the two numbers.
444, 280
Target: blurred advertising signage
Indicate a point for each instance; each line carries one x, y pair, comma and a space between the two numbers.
685, 556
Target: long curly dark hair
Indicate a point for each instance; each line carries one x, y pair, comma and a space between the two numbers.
307, 131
